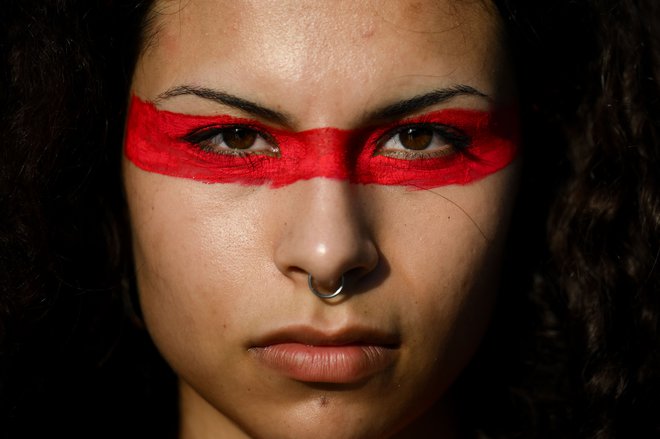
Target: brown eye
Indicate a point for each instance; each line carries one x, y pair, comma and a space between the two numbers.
422, 140
233, 139
239, 138
416, 138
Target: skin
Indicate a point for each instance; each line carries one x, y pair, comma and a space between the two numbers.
219, 265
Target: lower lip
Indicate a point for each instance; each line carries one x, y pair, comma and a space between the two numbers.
326, 364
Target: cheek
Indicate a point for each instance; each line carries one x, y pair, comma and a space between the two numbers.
191, 264
448, 287
445, 254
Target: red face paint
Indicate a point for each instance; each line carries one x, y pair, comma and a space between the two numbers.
159, 141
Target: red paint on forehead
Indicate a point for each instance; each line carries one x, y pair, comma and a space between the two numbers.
155, 142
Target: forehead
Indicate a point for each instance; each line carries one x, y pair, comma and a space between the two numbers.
332, 53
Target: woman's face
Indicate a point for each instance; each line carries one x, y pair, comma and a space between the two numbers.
222, 266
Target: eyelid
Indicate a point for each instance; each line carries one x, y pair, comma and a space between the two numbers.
202, 134
455, 137
440, 118
216, 128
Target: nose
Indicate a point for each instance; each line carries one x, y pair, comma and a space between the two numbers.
325, 235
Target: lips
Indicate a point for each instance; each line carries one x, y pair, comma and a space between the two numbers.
306, 355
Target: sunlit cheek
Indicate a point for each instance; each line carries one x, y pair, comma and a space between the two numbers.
181, 245
181, 308
158, 141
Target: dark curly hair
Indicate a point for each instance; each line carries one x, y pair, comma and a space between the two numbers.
574, 349
604, 231
583, 358
70, 361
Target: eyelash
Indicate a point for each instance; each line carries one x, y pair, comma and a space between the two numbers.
200, 137
454, 137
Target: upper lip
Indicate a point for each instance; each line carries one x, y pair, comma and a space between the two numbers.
315, 337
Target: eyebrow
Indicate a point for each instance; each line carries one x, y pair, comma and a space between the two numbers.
389, 112
226, 99
416, 103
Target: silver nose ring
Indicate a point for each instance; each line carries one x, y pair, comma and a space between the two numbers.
310, 282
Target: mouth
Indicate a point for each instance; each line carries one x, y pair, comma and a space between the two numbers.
344, 357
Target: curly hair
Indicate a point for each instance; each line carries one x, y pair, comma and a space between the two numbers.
604, 232
590, 88
68, 355
573, 351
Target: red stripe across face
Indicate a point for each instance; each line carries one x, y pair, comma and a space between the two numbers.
155, 142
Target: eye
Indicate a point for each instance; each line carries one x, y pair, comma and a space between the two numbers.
422, 140
234, 139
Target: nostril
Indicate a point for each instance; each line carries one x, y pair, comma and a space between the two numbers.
325, 294
326, 284
327, 289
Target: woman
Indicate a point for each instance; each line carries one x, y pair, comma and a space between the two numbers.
279, 161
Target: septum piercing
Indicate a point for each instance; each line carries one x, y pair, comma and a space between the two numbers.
310, 283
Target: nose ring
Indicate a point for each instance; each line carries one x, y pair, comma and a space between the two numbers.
310, 282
